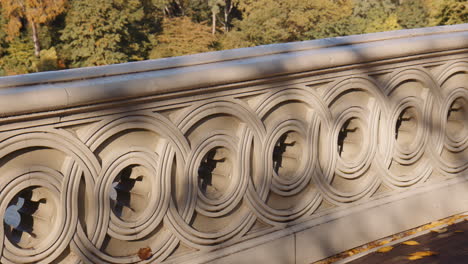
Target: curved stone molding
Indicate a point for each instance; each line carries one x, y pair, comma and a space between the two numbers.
199, 157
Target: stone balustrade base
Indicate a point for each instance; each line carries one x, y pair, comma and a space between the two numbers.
340, 230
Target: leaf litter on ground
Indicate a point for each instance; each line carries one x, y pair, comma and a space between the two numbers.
421, 254
374, 244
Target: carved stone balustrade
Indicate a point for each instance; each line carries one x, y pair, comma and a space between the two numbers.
284, 153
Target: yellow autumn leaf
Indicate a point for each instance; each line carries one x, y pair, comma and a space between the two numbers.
411, 243
414, 257
384, 242
424, 253
421, 254
385, 249
434, 224
353, 252
442, 230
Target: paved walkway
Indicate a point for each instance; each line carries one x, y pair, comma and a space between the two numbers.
449, 245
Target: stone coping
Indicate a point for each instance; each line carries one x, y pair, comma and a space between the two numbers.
40, 92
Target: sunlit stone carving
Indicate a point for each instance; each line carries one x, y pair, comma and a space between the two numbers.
244, 148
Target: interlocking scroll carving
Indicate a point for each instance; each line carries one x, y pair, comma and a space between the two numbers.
197, 176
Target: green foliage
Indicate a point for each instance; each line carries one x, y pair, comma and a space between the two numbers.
2, 34
273, 21
373, 16
171, 8
216, 5
198, 10
100, 32
41, 35
452, 12
48, 61
30, 13
19, 56
182, 36
413, 14
34, 11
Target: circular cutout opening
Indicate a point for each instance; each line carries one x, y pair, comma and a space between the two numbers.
457, 120
214, 173
406, 127
350, 140
29, 217
130, 192
287, 154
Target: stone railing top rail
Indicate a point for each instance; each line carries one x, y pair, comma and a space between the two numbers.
47, 91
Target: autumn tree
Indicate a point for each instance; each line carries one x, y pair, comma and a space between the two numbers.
171, 8
215, 9
413, 14
181, 36
225, 8
373, 16
381, 16
452, 12
275, 21
38, 35
18, 57
3, 35
34, 12
367, 16
99, 32
229, 8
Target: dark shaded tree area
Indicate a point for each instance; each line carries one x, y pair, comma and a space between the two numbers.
42, 35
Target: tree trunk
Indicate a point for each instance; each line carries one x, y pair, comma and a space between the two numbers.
213, 26
226, 18
227, 11
181, 7
167, 12
37, 45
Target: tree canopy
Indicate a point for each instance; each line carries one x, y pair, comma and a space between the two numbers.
34, 12
99, 32
40, 35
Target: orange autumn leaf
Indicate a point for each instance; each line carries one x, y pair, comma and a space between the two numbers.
411, 243
384, 242
144, 253
385, 249
414, 257
353, 252
442, 230
422, 254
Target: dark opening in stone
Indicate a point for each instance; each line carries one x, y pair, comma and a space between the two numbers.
406, 126
20, 216
214, 173
350, 139
122, 192
287, 154
457, 120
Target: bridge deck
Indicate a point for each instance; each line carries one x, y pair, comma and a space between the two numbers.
449, 246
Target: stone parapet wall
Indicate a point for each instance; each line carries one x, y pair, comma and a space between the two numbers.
285, 153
